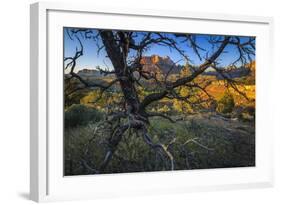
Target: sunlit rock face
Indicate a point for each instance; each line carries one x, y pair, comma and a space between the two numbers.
158, 64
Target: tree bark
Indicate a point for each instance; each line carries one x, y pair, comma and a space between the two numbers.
122, 74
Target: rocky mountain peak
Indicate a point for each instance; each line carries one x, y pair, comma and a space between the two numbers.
158, 64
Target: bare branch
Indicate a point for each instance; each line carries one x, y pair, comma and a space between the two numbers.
182, 81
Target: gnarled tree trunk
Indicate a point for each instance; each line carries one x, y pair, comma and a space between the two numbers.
118, 58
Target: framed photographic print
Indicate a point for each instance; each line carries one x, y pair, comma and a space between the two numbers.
127, 102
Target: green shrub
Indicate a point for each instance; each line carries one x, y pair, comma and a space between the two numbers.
226, 149
78, 114
226, 103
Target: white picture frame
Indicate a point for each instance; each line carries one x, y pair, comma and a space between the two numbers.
47, 182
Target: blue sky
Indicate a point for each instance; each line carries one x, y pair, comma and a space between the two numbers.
91, 58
